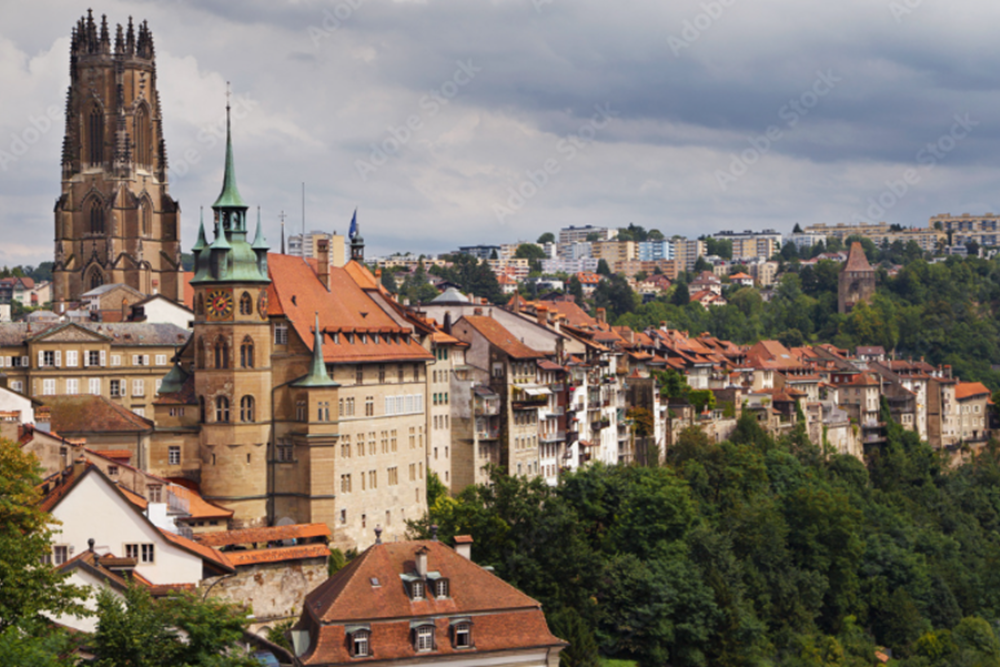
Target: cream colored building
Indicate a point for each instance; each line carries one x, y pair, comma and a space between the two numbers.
613, 251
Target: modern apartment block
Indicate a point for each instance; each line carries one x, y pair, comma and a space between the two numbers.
983, 229
573, 234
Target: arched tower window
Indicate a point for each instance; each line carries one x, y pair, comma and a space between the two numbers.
246, 353
221, 353
96, 217
246, 304
142, 140
247, 409
222, 409
145, 218
95, 136
96, 279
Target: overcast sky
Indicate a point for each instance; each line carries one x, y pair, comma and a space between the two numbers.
453, 122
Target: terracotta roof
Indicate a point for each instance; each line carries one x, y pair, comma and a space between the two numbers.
547, 365
188, 290
740, 276
198, 507
588, 278
258, 535
499, 337
965, 390
116, 454
349, 594
207, 553
297, 293
277, 555
93, 414
856, 260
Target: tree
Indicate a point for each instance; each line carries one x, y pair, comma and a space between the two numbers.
593, 237
576, 289
797, 229
655, 235
547, 237
27, 589
681, 296
184, 630
615, 295
389, 281
701, 264
602, 268
568, 625
531, 252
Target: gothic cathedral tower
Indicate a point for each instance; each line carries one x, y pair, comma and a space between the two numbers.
232, 344
115, 221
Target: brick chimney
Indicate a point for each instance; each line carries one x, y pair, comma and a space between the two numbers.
463, 546
602, 315
542, 313
323, 261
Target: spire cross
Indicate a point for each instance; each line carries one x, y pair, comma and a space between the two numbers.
282, 216
228, 93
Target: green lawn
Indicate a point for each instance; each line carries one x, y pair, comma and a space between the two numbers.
611, 662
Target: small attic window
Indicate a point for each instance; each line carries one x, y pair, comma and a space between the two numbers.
335, 337
374, 582
363, 338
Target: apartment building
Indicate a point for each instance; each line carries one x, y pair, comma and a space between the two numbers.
751, 245
571, 234
307, 245
965, 228
687, 252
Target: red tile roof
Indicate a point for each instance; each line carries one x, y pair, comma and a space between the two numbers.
965, 390
226, 538
93, 414
198, 507
499, 337
297, 293
277, 555
856, 260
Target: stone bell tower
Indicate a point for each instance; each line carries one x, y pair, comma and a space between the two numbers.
115, 221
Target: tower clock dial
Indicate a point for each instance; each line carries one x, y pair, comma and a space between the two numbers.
219, 304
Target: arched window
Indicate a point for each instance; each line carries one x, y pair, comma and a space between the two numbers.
96, 217
145, 218
246, 304
95, 136
246, 353
222, 409
221, 353
247, 409
142, 152
96, 279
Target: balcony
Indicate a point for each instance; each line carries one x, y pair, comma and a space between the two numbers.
557, 387
553, 436
487, 433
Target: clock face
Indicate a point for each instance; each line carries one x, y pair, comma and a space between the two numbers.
219, 304
262, 304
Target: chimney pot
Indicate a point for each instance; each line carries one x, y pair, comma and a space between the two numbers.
463, 546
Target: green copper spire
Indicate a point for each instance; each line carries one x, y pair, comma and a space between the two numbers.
230, 195
201, 243
317, 376
259, 242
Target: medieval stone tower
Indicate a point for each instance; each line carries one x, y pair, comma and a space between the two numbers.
232, 345
857, 280
115, 221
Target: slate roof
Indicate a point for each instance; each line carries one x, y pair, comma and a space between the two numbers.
119, 333
84, 413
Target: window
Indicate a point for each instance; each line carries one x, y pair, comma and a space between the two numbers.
139, 411
246, 304
246, 353
71, 358
60, 554
301, 411
417, 590
176, 412
174, 455
247, 409
140, 359
49, 387
48, 358
393, 474
345, 483
359, 644
72, 386
116, 388
142, 152
372, 479
323, 411
441, 588
138, 387
381, 373
116, 360
359, 375
95, 136
94, 386
369, 406
345, 447
221, 353
147, 553
221, 409
17, 386
281, 333
154, 493
161, 360
285, 452
343, 516
425, 638
463, 635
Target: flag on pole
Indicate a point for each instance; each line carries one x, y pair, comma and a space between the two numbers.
353, 231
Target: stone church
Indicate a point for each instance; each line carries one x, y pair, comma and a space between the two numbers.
115, 221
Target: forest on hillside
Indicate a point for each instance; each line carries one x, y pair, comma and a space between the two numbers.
752, 552
947, 312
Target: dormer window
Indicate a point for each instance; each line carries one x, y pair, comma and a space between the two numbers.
417, 590
423, 638
461, 633
441, 588
360, 642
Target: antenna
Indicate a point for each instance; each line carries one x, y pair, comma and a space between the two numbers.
281, 216
303, 220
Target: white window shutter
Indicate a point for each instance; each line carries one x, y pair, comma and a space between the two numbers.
104, 358
41, 358
24, 360
145, 360
86, 358
58, 358
135, 359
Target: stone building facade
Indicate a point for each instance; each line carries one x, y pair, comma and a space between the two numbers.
115, 221
857, 280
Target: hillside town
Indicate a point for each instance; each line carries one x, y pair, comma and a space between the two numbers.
233, 424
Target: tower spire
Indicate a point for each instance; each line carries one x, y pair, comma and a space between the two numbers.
230, 195
317, 376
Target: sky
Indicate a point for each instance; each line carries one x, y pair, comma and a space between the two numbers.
458, 122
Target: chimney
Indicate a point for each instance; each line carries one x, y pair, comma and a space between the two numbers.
463, 546
421, 558
323, 261
43, 419
542, 313
602, 315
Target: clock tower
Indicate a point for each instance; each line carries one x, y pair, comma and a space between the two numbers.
232, 346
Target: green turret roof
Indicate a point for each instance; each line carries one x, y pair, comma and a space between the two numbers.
317, 376
230, 195
259, 242
201, 243
173, 381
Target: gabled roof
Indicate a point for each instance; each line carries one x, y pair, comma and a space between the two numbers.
277, 554
499, 337
269, 534
964, 390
